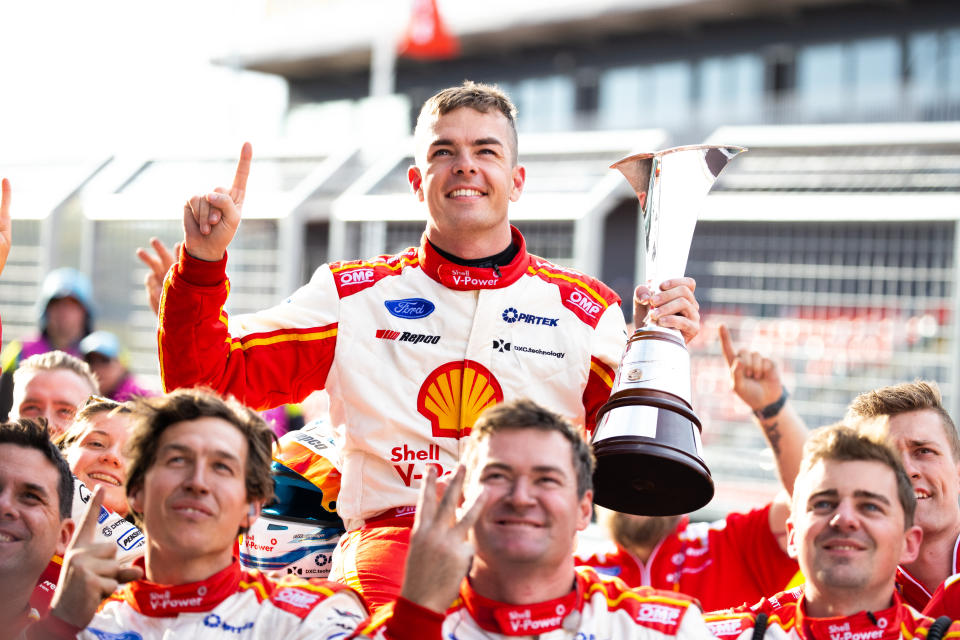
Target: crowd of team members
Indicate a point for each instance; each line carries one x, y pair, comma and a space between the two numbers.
120, 519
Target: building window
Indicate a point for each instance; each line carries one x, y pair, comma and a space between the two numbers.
731, 88
933, 66
852, 78
645, 96
545, 104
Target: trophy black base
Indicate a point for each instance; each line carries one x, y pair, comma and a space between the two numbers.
660, 476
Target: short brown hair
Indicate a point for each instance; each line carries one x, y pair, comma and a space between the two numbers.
94, 405
843, 443
921, 395
52, 361
477, 96
152, 416
526, 414
32, 433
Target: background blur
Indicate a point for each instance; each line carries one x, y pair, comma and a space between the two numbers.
831, 245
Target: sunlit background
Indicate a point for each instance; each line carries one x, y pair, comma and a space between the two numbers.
831, 245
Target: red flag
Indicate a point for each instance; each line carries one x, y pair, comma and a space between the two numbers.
426, 37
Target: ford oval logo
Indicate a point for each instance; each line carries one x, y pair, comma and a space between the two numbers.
410, 308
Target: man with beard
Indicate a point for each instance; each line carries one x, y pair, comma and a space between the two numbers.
732, 561
851, 524
911, 416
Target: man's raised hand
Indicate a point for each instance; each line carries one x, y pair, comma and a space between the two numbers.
754, 377
440, 548
210, 221
674, 307
6, 227
91, 571
158, 265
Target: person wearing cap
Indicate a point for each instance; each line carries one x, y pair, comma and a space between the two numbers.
108, 361
65, 315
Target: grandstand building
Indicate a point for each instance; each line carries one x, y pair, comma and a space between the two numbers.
831, 245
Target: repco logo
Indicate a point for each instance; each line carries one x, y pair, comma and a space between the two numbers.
584, 303
356, 276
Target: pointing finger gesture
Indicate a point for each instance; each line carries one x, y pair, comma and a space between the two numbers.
211, 220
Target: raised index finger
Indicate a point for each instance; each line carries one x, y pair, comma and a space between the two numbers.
5, 198
87, 528
239, 187
727, 345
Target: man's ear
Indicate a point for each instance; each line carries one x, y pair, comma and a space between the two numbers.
911, 547
253, 512
415, 178
586, 510
519, 179
135, 500
792, 550
67, 525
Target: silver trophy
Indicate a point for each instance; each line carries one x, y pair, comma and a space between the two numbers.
647, 440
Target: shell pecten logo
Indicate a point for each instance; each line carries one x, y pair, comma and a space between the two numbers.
455, 394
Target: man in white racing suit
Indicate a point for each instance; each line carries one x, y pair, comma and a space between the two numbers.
411, 347
528, 491
199, 473
851, 524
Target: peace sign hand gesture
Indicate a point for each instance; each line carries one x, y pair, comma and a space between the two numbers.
91, 571
440, 550
210, 221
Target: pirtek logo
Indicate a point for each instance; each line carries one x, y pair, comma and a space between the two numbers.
406, 336
356, 276
511, 315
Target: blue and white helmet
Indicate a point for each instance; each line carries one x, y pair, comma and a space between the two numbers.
297, 533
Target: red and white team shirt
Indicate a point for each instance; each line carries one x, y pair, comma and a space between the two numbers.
411, 348
787, 620
597, 607
914, 593
723, 564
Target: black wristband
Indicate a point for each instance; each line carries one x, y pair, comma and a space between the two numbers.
773, 408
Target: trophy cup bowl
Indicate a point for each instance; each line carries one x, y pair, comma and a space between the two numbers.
647, 440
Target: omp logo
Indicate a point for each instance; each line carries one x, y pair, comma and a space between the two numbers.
501, 345
511, 315
215, 622
658, 613
356, 276
724, 627
454, 394
584, 303
410, 308
296, 598
406, 336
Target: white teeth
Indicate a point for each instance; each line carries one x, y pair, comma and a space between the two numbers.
105, 478
465, 192
922, 496
5, 537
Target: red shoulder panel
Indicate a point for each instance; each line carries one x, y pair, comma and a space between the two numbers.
659, 610
587, 297
356, 275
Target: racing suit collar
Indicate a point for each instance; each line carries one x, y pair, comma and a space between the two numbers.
464, 278
169, 600
875, 625
522, 619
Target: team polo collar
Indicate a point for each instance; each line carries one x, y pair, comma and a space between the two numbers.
874, 625
463, 278
913, 590
169, 600
524, 619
